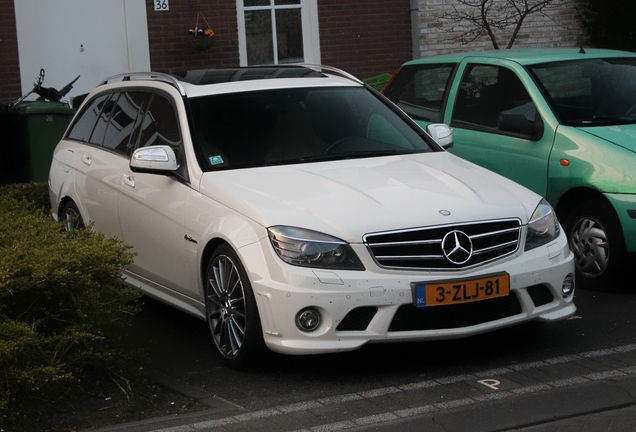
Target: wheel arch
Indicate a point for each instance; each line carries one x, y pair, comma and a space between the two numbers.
575, 196
208, 250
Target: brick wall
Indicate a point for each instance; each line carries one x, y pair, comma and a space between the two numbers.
560, 28
365, 38
10, 88
170, 48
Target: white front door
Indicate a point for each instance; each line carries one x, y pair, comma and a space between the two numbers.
91, 38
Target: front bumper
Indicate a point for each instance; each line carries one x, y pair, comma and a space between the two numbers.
376, 305
625, 206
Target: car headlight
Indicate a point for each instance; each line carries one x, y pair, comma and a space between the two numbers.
543, 226
306, 248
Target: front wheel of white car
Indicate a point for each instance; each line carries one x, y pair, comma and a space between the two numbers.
231, 310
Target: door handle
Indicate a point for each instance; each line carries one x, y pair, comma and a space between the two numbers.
129, 180
87, 159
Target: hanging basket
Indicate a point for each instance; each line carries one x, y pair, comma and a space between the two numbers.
201, 42
201, 38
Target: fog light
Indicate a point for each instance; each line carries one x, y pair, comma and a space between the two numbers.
308, 319
568, 286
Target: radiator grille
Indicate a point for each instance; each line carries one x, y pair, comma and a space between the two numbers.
445, 247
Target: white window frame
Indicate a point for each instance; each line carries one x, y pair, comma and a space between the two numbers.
309, 20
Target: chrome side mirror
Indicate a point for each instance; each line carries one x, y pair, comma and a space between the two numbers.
441, 133
154, 159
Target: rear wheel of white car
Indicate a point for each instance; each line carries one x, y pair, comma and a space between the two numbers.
231, 310
71, 217
596, 239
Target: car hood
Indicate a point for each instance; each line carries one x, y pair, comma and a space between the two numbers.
622, 135
350, 198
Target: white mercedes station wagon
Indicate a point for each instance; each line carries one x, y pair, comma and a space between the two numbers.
296, 209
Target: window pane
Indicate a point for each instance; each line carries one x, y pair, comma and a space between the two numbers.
289, 34
258, 34
84, 124
123, 122
102, 121
248, 3
286, 2
160, 126
420, 90
493, 97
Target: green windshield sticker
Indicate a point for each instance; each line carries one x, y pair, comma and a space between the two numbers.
216, 160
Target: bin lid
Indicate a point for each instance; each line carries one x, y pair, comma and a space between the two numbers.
43, 107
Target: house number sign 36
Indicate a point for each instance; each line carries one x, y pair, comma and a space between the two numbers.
162, 5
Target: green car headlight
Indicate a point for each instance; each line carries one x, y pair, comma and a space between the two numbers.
306, 248
543, 226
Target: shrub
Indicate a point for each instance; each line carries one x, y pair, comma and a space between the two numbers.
62, 300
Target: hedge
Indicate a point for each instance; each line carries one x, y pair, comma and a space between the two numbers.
62, 300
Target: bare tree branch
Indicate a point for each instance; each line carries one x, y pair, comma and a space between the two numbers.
472, 19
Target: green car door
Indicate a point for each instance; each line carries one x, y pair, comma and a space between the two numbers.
499, 122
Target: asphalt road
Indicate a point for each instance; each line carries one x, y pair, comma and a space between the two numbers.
517, 377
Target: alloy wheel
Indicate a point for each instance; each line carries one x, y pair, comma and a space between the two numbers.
226, 309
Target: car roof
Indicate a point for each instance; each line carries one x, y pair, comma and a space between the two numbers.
230, 80
527, 56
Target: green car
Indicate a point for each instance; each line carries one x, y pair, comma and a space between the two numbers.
561, 122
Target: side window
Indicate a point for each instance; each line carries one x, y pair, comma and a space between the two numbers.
420, 90
85, 122
493, 98
159, 125
97, 137
124, 120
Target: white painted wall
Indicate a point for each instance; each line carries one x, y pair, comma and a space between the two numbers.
91, 38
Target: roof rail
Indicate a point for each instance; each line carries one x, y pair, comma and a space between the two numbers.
333, 70
177, 83
139, 76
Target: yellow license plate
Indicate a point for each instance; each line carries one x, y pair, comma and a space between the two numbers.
462, 291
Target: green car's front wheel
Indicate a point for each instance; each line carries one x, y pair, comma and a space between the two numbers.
596, 239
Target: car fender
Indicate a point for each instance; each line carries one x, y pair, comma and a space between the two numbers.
205, 231
61, 185
580, 159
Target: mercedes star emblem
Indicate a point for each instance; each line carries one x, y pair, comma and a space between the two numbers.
457, 247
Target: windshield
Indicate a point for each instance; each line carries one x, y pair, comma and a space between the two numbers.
590, 92
272, 127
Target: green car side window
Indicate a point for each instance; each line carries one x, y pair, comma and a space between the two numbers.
420, 90
493, 99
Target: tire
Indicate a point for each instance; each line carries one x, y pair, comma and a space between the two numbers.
71, 217
596, 238
231, 311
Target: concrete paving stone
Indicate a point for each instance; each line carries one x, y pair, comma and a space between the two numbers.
450, 392
539, 374
598, 364
522, 379
619, 420
292, 422
412, 398
351, 409
628, 357
566, 370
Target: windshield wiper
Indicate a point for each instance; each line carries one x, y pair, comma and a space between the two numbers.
601, 120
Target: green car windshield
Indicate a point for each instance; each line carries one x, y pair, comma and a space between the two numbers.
590, 92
